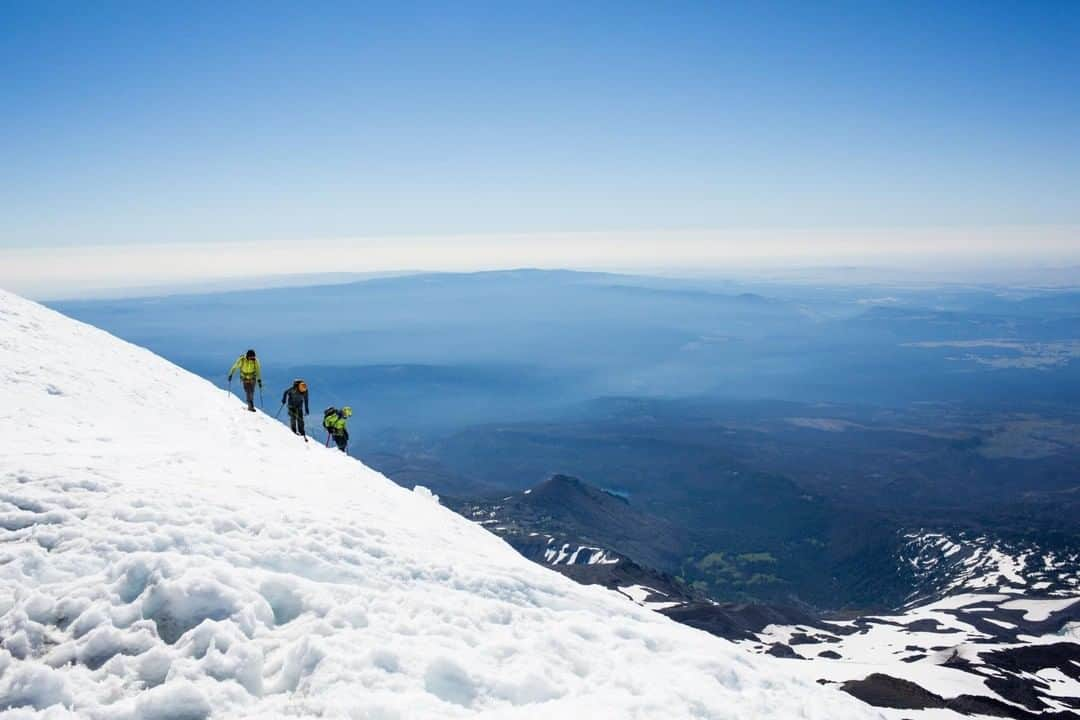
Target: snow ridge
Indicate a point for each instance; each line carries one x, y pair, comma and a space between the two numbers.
166, 555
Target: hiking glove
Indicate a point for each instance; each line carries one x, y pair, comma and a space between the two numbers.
230, 378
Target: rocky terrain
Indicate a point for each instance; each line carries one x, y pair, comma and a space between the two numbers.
991, 626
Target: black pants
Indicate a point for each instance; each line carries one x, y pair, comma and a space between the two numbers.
249, 392
342, 440
296, 420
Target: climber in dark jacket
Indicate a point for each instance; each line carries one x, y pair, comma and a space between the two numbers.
296, 397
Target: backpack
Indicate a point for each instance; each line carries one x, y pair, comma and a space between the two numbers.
328, 415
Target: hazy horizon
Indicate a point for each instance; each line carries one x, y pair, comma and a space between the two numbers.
1019, 255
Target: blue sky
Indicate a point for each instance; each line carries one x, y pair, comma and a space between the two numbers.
279, 123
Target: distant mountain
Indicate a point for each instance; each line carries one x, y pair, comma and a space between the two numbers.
739, 533
597, 538
565, 521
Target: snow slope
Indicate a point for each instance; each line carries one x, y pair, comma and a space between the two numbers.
166, 555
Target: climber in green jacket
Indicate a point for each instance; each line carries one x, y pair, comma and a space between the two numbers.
250, 374
334, 422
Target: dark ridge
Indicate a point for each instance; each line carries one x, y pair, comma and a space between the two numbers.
882, 690
781, 650
736, 621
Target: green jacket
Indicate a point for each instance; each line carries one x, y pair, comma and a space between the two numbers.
249, 369
334, 423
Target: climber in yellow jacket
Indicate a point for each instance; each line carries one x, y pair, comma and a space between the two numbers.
250, 374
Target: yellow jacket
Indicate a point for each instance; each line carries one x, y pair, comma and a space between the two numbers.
249, 369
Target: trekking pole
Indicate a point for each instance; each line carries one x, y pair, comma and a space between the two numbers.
278, 413
328, 439
260, 398
228, 390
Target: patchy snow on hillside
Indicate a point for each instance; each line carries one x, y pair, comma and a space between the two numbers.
165, 554
642, 595
961, 645
1037, 610
581, 554
945, 565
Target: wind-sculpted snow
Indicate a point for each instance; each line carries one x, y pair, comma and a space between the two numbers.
166, 555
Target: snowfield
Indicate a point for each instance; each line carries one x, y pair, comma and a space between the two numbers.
166, 555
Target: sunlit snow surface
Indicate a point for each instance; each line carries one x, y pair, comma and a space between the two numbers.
165, 554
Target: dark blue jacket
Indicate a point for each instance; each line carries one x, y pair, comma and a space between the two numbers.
295, 398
